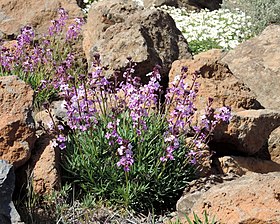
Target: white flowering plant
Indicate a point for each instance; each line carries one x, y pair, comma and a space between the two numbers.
206, 29
262, 12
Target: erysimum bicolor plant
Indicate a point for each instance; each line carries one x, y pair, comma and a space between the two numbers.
32, 58
124, 146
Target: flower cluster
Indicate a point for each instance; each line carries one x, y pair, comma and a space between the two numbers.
180, 106
34, 60
94, 99
222, 26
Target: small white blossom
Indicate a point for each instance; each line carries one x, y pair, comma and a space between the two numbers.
222, 26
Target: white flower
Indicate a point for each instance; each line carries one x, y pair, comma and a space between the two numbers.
221, 26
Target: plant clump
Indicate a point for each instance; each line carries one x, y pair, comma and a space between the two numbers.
34, 59
206, 29
262, 12
126, 147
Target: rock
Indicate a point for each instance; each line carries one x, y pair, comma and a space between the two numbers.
8, 212
17, 128
158, 3
38, 14
216, 81
250, 199
201, 4
198, 4
243, 165
153, 37
58, 111
274, 145
248, 131
45, 163
256, 63
197, 188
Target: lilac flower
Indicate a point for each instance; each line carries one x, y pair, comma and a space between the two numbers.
26, 37
74, 29
224, 114
62, 145
58, 25
61, 138
126, 160
60, 127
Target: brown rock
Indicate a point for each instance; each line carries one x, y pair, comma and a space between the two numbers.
216, 81
45, 162
274, 145
197, 188
248, 131
256, 63
38, 14
243, 165
58, 112
250, 199
17, 132
118, 29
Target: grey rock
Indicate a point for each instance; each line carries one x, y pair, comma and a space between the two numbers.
8, 213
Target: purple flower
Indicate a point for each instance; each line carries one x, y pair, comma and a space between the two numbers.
61, 138
62, 146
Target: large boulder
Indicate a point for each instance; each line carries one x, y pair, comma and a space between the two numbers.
38, 14
17, 128
250, 199
248, 132
118, 29
8, 213
216, 81
197, 188
256, 63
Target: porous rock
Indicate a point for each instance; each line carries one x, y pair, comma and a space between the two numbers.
216, 81
118, 29
8, 212
250, 199
38, 14
274, 145
197, 188
256, 63
242, 165
45, 163
248, 131
17, 128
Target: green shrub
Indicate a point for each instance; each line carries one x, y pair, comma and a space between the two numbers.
149, 182
262, 12
197, 46
125, 148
